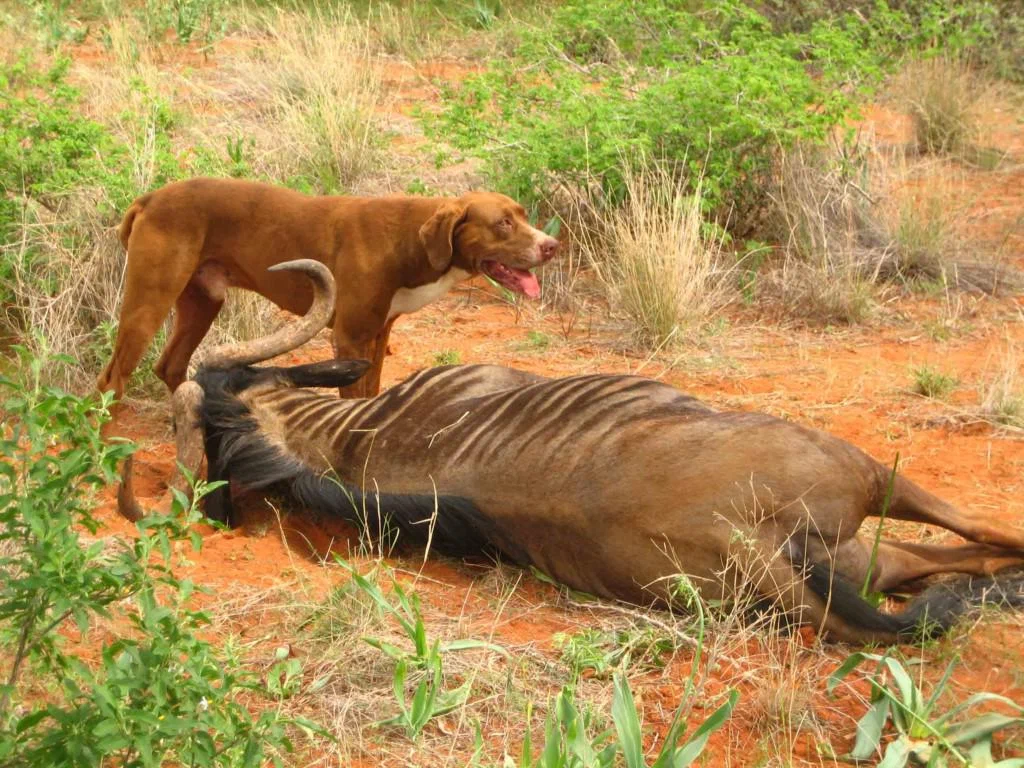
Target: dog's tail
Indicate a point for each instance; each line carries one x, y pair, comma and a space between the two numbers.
930, 614
125, 230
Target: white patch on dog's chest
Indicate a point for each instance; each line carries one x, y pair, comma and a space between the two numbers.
408, 300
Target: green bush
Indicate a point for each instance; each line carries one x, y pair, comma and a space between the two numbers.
46, 145
712, 88
159, 692
715, 91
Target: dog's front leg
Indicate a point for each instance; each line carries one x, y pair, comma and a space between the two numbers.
362, 336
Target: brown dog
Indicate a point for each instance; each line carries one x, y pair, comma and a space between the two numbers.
190, 241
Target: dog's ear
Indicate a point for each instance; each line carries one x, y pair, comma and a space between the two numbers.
438, 233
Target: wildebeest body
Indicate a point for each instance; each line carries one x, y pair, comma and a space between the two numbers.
613, 485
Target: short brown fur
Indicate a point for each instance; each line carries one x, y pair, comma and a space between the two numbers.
189, 241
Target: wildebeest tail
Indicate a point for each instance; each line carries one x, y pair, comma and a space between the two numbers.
930, 614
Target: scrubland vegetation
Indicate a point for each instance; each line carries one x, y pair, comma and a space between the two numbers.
710, 168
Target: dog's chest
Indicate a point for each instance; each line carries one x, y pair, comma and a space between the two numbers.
408, 300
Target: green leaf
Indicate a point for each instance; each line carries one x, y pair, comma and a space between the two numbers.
627, 724
465, 645
870, 728
896, 754
696, 743
980, 727
851, 662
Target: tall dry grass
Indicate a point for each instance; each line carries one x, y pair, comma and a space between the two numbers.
855, 220
829, 235
315, 88
655, 258
942, 94
67, 282
1001, 394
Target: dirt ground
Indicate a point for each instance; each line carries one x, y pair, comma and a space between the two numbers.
855, 382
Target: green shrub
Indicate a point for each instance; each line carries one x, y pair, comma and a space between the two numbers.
715, 91
922, 736
711, 88
933, 383
158, 692
45, 143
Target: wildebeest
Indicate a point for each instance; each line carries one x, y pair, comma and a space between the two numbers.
609, 484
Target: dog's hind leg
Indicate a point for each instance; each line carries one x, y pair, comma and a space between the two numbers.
194, 313
158, 271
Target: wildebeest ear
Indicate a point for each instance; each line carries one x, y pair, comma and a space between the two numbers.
329, 373
438, 233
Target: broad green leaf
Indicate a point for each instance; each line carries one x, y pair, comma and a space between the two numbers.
982, 726
897, 754
849, 664
869, 730
696, 743
627, 724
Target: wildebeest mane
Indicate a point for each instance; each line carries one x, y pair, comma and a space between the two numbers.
238, 451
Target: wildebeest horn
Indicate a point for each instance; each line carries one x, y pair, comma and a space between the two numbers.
186, 405
293, 334
188, 398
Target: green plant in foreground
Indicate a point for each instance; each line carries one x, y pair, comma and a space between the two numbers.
430, 698
600, 652
876, 598
570, 743
922, 734
932, 383
158, 692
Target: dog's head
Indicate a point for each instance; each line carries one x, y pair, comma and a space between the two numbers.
488, 232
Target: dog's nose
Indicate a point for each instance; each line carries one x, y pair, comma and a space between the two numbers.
548, 249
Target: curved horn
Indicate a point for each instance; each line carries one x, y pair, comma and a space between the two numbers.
293, 334
186, 404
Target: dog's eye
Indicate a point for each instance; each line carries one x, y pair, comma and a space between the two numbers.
505, 224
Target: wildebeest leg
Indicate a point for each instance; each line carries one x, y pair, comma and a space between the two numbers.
900, 562
910, 502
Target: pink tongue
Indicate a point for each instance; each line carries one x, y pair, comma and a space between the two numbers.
528, 282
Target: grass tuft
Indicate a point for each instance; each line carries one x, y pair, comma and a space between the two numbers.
1002, 400
656, 259
942, 96
932, 383
315, 79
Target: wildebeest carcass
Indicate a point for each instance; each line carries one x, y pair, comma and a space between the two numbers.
609, 484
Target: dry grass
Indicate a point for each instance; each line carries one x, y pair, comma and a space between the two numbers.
655, 259
1001, 395
67, 273
828, 235
67, 283
317, 94
853, 219
942, 95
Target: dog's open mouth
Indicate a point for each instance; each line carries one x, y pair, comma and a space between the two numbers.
518, 280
